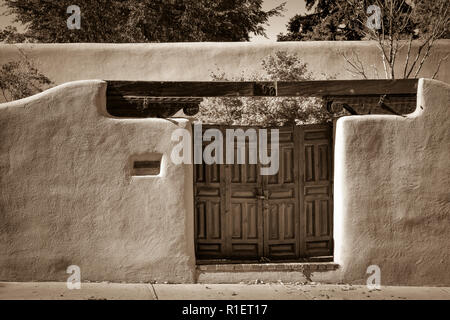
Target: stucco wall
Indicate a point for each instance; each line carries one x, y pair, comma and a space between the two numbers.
195, 61
68, 197
391, 195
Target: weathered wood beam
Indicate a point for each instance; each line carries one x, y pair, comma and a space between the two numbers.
346, 87
190, 89
265, 88
164, 99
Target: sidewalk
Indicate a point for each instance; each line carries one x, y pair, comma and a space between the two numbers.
112, 291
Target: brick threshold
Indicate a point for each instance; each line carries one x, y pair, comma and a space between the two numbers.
277, 267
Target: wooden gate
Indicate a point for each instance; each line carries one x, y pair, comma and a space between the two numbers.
241, 215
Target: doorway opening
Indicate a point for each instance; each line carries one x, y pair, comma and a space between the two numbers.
242, 216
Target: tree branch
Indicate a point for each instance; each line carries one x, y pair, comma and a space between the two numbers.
439, 66
407, 56
357, 67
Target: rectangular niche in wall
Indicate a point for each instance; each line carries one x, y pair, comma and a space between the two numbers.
146, 164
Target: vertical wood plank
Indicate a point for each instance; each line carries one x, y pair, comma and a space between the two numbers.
301, 183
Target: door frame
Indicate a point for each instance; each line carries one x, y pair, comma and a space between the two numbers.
300, 142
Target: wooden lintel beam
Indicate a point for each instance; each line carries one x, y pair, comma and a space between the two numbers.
346, 87
263, 88
190, 89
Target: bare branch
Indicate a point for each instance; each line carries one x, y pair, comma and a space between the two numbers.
398, 15
357, 68
425, 56
375, 71
407, 56
439, 66
419, 50
4, 95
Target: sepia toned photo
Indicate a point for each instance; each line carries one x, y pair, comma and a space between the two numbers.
216, 152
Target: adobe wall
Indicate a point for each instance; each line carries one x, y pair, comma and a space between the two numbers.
68, 196
195, 61
391, 194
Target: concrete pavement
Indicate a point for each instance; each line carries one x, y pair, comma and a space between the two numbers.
272, 291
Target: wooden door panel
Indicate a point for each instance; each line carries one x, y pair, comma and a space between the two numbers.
317, 191
242, 215
281, 210
245, 229
245, 220
208, 174
208, 228
210, 214
281, 240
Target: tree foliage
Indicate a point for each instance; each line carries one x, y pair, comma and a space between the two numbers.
281, 66
11, 35
341, 19
328, 20
20, 79
121, 21
401, 22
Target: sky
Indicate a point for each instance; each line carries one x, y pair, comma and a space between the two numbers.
276, 24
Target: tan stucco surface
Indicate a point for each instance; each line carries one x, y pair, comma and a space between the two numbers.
392, 193
68, 197
195, 61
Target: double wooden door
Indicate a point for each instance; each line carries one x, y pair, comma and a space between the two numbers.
241, 215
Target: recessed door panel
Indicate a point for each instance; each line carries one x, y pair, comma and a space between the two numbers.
243, 215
